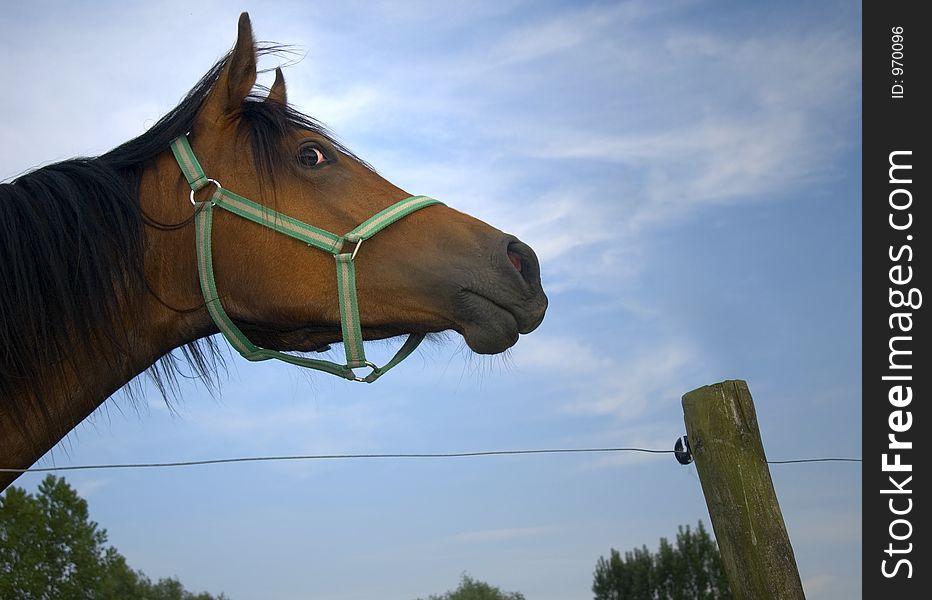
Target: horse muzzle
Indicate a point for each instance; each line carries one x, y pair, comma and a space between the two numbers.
505, 299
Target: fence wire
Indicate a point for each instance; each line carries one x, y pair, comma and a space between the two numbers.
394, 455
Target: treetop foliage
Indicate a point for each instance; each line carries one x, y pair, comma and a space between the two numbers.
689, 570
470, 589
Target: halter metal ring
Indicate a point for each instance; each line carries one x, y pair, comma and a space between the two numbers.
374, 368
209, 180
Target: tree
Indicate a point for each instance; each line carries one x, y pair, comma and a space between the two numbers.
690, 570
470, 589
121, 581
50, 549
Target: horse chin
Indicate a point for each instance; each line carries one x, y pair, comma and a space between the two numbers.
483, 340
488, 327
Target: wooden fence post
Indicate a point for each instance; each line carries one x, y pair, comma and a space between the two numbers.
725, 440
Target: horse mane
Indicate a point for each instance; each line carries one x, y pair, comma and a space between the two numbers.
72, 248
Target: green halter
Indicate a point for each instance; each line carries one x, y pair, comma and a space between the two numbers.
312, 236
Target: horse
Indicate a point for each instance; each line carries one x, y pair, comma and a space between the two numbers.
107, 269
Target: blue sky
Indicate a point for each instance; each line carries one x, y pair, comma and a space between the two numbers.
689, 173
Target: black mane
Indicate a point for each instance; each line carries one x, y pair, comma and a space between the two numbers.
71, 246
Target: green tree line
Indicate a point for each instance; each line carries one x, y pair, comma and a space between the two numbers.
50, 549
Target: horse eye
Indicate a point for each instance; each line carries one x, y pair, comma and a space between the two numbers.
310, 156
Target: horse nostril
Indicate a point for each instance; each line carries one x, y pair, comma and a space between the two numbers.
524, 261
527, 302
515, 260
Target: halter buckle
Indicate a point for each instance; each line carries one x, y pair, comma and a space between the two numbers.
209, 180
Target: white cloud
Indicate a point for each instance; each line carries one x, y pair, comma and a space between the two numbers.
559, 352
652, 377
774, 141
582, 27
340, 110
561, 221
543, 39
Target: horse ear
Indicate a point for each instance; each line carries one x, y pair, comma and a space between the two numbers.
277, 93
238, 76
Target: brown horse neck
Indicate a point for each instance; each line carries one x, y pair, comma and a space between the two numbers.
89, 381
152, 325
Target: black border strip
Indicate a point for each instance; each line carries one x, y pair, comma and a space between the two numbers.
896, 267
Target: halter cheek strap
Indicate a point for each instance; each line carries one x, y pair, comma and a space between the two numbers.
312, 236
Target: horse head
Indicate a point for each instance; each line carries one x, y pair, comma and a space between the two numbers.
437, 269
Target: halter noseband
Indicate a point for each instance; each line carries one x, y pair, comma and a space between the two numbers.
312, 236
